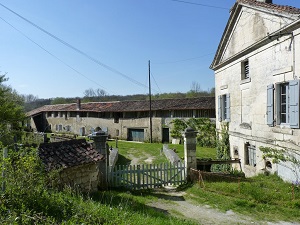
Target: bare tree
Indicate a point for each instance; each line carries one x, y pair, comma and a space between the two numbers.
100, 92
29, 98
89, 93
195, 87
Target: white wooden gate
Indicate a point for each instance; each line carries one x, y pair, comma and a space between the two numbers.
150, 176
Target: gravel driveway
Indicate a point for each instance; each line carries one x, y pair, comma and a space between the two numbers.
174, 203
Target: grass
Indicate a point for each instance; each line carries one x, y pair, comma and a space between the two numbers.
266, 197
143, 152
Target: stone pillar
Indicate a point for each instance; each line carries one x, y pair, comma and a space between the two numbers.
190, 142
100, 145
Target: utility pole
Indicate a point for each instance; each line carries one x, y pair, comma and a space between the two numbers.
150, 103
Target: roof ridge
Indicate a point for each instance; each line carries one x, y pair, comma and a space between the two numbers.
272, 6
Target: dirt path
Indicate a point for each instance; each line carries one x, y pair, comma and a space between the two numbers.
174, 203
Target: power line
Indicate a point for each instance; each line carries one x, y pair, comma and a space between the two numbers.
183, 60
76, 49
155, 83
199, 4
51, 53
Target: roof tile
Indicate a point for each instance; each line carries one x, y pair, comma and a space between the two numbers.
279, 8
130, 106
68, 154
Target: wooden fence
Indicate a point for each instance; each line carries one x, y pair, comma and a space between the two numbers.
150, 176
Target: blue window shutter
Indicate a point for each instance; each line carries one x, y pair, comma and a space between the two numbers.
294, 103
278, 102
220, 108
270, 105
227, 107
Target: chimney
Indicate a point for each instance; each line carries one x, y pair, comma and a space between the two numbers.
266, 1
78, 104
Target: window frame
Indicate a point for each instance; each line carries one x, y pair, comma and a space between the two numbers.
277, 99
250, 155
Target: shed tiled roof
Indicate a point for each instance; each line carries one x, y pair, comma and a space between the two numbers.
67, 154
271, 6
130, 106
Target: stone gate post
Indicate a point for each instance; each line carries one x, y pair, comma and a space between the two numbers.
190, 142
100, 139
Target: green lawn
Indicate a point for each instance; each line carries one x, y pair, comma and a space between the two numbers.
152, 152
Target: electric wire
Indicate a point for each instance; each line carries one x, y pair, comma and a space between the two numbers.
200, 4
76, 49
155, 83
184, 60
51, 53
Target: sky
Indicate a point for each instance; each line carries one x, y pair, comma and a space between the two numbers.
55, 48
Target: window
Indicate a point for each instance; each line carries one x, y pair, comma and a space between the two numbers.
285, 100
250, 155
68, 128
245, 70
224, 107
116, 116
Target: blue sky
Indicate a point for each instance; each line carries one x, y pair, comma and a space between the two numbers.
179, 39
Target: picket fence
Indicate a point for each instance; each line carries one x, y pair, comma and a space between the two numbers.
147, 176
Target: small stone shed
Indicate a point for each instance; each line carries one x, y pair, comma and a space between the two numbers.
79, 162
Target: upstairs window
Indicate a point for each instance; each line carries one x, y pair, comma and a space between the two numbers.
283, 104
224, 107
245, 70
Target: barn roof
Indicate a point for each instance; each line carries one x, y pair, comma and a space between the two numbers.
131, 106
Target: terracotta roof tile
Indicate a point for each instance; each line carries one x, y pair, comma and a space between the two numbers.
130, 106
279, 8
68, 154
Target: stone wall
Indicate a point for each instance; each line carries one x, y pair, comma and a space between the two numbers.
85, 177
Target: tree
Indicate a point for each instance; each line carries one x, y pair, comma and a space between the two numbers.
58, 100
11, 113
88, 93
29, 98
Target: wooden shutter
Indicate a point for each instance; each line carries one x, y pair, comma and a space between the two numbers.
294, 103
227, 107
270, 105
220, 108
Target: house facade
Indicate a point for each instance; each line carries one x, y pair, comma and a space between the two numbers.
257, 72
127, 120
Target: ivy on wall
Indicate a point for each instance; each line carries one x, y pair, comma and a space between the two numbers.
223, 148
206, 136
289, 157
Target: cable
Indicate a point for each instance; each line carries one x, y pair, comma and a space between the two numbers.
156, 83
50, 53
182, 60
199, 4
76, 49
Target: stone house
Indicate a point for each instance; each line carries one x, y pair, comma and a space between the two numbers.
127, 120
257, 72
80, 164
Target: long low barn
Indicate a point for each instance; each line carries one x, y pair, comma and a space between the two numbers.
127, 120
